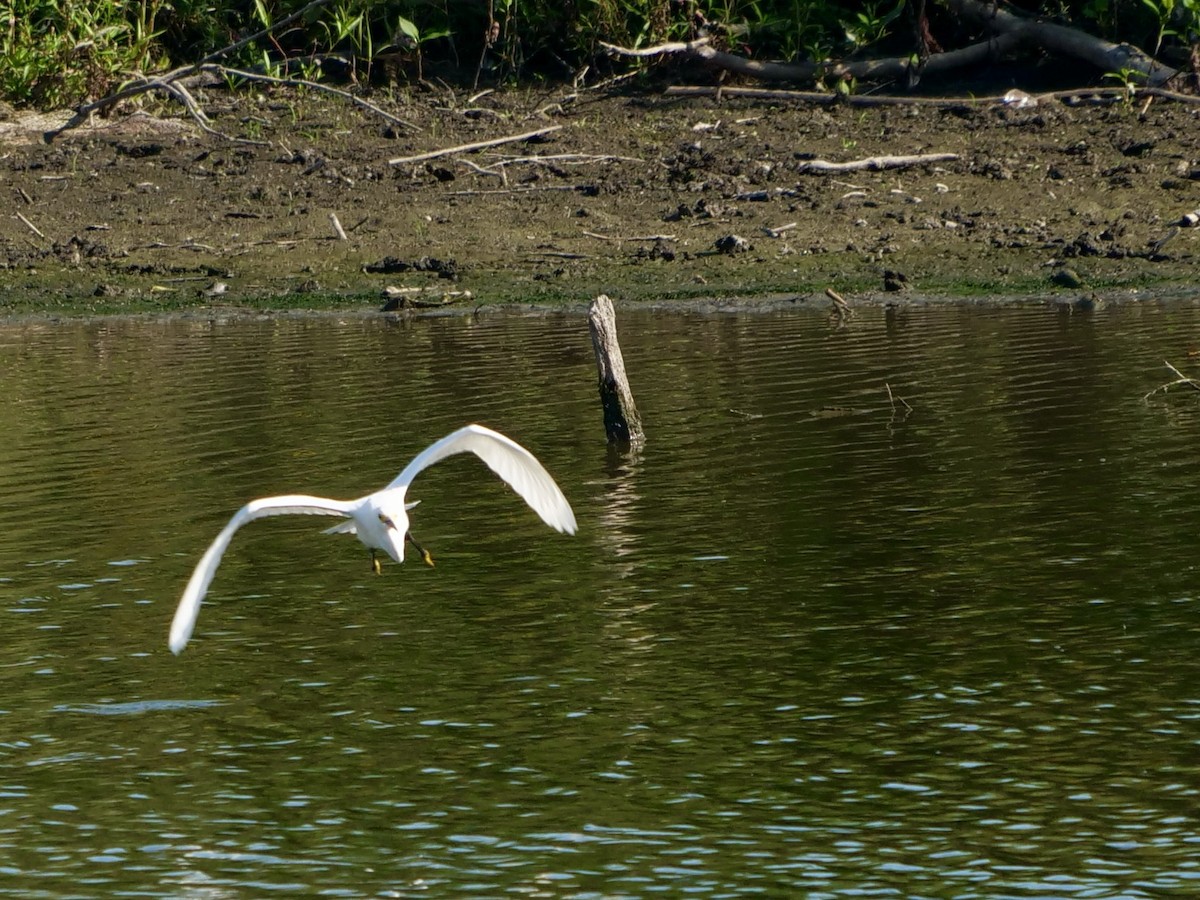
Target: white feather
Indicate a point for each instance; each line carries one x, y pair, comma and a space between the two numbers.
380, 520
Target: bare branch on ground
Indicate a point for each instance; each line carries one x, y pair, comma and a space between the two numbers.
1007, 32
1105, 56
1094, 95
30, 226
642, 237
872, 163
881, 69
165, 82
311, 85
477, 145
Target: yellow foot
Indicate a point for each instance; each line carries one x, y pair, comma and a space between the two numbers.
376, 564
428, 560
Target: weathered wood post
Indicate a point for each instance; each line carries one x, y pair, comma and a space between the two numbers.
621, 420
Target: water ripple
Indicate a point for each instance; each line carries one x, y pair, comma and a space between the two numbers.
810, 640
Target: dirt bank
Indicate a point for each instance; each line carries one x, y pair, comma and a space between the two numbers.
642, 196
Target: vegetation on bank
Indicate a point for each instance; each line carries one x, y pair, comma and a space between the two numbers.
56, 53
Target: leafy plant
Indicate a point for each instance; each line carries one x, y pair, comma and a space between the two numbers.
1129, 79
1163, 11
51, 55
870, 24
410, 37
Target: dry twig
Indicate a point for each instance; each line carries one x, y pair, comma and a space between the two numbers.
338, 230
30, 226
617, 237
873, 163
311, 85
841, 310
480, 170
892, 398
537, 189
1180, 378
778, 231
477, 145
819, 98
580, 158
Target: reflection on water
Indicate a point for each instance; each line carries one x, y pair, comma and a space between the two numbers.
807, 642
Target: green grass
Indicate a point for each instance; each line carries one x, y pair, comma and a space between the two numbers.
61, 52
65, 291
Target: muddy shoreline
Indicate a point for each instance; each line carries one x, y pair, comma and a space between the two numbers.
649, 199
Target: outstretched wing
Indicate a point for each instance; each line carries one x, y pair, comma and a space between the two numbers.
197, 587
508, 459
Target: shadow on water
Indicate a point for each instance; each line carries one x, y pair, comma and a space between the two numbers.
807, 641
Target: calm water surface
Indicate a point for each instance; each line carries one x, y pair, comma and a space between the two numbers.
808, 643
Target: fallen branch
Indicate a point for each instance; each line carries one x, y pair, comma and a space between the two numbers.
1007, 32
482, 171
873, 163
165, 81
1180, 379
567, 158
777, 232
865, 69
311, 85
477, 145
30, 226
338, 230
825, 98
646, 237
521, 190
180, 93
1105, 56
818, 98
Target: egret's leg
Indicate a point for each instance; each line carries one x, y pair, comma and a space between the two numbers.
375, 564
425, 557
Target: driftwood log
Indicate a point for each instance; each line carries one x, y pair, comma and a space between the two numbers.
1005, 33
1065, 41
622, 423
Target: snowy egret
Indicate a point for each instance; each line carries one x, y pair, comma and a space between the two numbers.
381, 519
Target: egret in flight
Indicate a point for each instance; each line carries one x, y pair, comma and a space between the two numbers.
381, 519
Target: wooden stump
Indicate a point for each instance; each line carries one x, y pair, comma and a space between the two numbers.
621, 420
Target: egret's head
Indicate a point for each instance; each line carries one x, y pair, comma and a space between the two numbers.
393, 526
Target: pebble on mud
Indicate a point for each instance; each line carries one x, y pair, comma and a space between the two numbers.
731, 243
1067, 278
443, 268
659, 250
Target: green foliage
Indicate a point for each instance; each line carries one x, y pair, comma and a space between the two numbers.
56, 52
1129, 79
52, 53
872, 23
1174, 18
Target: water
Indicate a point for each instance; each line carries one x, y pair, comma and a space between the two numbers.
808, 643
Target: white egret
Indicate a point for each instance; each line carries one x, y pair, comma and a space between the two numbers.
381, 519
